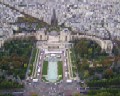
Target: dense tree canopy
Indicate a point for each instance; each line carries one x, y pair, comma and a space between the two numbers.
14, 58
15, 55
103, 94
87, 49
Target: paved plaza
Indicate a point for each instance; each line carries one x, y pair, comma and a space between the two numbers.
61, 88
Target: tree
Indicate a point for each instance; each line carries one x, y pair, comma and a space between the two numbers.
81, 48
90, 51
104, 94
16, 64
34, 94
86, 74
105, 62
118, 94
76, 94
108, 73
84, 65
95, 63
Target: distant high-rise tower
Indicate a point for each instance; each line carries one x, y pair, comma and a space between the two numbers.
54, 21
103, 22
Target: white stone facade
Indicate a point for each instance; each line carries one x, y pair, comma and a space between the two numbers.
65, 36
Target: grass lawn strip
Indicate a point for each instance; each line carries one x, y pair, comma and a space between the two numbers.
45, 68
60, 68
32, 60
73, 60
35, 54
60, 71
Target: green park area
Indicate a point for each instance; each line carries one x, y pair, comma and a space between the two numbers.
45, 68
73, 61
14, 59
34, 51
6, 95
60, 71
44, 71
97, 68
60, 68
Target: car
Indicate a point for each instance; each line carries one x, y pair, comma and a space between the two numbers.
29, 83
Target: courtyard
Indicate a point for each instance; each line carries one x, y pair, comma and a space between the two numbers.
52, 70
53, 78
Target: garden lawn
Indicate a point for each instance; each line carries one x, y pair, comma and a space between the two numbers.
45, 68
60, 68
32, 60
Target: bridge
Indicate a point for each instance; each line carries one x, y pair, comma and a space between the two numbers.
105, 45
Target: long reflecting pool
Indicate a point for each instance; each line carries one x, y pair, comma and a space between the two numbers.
52, 73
